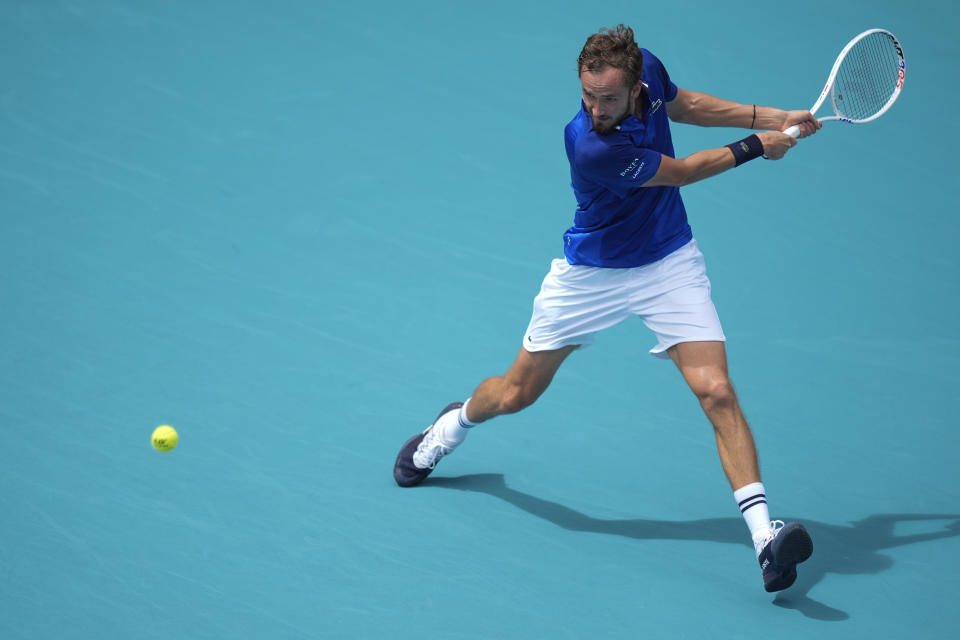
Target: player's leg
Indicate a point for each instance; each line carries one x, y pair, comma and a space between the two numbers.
779, 550
525, 381
574, 303
704, 367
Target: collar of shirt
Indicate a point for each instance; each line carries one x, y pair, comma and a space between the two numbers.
630, 124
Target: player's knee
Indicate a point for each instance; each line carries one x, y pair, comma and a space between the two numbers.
517, 398
715, 392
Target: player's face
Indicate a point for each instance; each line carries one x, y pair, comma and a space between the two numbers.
607, 99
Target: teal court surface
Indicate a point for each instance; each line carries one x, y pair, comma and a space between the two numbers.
295, 230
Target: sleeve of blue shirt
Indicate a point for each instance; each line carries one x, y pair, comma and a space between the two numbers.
669, 89
618, 164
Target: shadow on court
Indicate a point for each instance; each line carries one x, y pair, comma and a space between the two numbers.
852, 549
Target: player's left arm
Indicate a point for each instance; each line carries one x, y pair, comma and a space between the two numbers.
693, 107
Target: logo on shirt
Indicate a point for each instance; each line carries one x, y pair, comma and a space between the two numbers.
655, 106
633, 168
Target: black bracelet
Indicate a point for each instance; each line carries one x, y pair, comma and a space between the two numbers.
746, 149
754, 121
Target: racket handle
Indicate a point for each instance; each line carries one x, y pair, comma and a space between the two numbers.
792, 131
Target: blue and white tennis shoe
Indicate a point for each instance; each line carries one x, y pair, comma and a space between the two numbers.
781, 550
421, 453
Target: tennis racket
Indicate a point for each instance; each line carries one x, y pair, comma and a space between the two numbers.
865, 80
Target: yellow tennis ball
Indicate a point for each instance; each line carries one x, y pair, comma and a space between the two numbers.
164, 438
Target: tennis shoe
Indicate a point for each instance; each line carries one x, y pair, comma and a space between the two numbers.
421, 453
781, 549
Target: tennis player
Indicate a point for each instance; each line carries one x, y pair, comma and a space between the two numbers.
631, 252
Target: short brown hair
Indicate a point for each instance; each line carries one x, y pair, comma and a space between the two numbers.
613, 48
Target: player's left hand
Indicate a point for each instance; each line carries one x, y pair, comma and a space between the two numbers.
808, 124
775, 144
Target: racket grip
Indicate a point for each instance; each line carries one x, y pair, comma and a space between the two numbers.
792, 131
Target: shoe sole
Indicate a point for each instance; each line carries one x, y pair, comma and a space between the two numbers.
791, 547
398, 470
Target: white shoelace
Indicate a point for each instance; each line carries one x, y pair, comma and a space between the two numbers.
763, 538
430, 451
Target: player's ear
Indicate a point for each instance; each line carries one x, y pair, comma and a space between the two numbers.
637, 89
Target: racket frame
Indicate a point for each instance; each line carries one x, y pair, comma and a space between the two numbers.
829, 86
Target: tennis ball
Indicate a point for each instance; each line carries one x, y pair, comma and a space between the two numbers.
164, 438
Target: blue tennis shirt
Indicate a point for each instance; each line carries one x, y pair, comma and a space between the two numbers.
618, 223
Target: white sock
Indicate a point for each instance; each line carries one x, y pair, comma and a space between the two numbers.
753, 505
453, 426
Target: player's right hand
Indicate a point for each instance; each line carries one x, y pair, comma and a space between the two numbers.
775, 144
805, 120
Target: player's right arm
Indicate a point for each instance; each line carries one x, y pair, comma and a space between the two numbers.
701, 109
678, 172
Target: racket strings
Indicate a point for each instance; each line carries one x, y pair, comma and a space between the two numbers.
867, 77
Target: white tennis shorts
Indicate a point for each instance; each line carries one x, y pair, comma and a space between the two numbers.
671, 296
